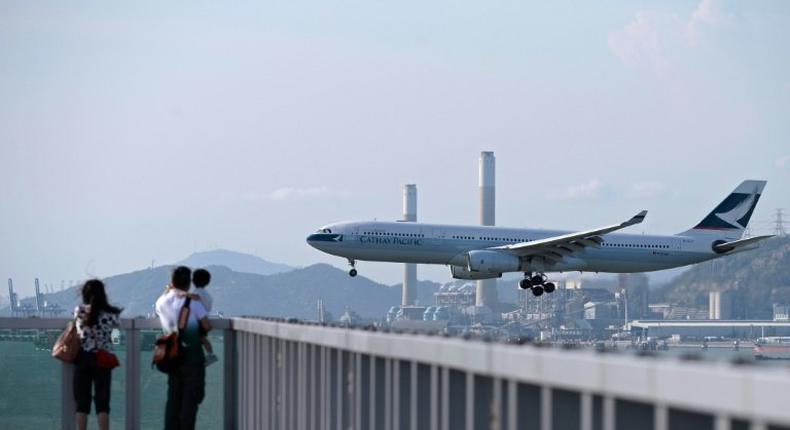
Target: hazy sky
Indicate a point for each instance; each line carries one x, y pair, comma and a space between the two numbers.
140, 131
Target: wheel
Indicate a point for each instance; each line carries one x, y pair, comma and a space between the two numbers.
524, 284
537, 291
352, 272
549, 287
537, 280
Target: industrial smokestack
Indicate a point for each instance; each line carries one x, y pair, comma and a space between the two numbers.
486, 288
39, 298
409, 269
12, 296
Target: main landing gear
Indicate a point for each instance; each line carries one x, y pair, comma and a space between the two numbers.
537, 283
353, 271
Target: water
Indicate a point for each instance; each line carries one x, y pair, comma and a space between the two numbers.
30, 390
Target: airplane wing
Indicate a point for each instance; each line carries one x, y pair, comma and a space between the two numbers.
739, 244
557, 247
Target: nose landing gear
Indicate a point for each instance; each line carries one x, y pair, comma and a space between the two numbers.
537, 283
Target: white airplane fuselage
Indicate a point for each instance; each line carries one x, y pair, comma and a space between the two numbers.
478, 252
411, 242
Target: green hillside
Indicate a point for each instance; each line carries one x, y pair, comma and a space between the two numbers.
758, 278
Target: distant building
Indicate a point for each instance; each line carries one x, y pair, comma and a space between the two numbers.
597, 294
660, 310
458, 296
720, 305
637, 293
600, 310
743, 329
781, 312
686, 313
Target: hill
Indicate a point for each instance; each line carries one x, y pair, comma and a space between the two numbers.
289, 294
758, 278
236, 261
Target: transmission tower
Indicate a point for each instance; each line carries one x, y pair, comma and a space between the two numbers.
779, 223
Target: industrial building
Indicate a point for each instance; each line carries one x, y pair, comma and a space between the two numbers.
733, 329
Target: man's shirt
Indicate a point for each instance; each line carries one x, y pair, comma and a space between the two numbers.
168, 306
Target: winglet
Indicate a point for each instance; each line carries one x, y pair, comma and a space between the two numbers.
638, 218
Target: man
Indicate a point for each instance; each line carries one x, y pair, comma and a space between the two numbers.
186, 383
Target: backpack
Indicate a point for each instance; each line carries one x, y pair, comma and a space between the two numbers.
167, 348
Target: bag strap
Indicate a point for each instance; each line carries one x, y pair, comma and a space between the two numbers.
183, 315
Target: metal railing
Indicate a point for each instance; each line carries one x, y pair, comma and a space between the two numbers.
296, 376
131, 366
284, 375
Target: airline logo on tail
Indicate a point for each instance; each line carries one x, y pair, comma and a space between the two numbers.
736, 210
736, 217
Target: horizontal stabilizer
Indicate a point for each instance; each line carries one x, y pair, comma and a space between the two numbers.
736, 244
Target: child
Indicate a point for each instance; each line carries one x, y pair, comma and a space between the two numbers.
201, 278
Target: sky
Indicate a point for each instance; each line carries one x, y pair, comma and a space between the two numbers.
136, 133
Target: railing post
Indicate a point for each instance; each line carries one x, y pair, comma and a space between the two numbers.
132, 376
230, 378
68, 407
512, 405
546, 416
609, 413
660, 417
586, 411
434, 408
470, 400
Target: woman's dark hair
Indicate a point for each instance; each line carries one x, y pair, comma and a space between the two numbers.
93, 294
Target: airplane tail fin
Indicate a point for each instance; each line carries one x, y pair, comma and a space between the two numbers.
732, 215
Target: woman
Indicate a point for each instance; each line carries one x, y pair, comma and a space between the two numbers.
95, 319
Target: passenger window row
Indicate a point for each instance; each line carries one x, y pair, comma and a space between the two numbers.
381, 233
501, 239
636, 245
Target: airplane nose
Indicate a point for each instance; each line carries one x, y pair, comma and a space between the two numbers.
317, 240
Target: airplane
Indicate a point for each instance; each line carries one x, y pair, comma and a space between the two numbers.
486, 252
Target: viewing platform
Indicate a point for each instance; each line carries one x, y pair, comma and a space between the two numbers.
276, 374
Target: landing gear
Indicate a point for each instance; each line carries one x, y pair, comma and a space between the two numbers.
537, 283
353, 271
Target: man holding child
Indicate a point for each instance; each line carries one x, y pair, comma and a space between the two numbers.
186, 383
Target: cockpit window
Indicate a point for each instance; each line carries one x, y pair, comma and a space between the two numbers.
324, 230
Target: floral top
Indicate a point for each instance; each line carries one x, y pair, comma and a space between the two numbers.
98, 336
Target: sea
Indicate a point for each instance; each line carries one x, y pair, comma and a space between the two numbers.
30, 390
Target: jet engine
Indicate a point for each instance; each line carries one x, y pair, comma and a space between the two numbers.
461, 272
492, 262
